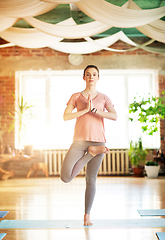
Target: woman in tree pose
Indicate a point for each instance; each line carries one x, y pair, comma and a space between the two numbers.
88, 145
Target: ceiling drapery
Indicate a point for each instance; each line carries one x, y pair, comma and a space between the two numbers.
6, 22
108, 13
105, 16
70, 31
28, 38
23, 8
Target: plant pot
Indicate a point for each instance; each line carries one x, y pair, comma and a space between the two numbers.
152, 171
28, 149
138, 171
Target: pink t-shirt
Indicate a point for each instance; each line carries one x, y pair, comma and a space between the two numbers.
90, 126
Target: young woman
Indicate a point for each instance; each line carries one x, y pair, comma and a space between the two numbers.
88, 145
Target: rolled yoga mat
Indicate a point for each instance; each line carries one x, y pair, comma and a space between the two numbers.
2, 235
152, 212
3, 213
161, 235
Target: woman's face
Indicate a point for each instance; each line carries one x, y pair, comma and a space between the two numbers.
91, 76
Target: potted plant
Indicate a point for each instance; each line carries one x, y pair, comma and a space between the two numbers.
137, 156
152, 169
21, 115
148, 112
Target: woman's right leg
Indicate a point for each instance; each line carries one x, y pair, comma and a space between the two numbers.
75, 159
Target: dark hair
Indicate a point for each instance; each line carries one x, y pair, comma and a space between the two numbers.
91, 66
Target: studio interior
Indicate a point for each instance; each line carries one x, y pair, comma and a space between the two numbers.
45, 45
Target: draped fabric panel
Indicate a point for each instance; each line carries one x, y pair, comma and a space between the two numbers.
73, 31
105, 16
7, 45
22, 8
107, 13
28, 38
70, 31
157, 23
61, 1
155, 29
152, 32
85, 48
120, 36
6, 22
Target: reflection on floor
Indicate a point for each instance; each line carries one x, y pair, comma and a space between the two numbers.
51, 199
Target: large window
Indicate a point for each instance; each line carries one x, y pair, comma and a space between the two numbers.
50, 90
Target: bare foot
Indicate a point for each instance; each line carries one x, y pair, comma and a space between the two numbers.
87, 221
94, 150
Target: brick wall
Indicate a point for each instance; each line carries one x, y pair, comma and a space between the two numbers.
7, 85
162, 121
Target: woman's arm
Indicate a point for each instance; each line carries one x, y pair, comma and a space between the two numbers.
69, 114
111, 114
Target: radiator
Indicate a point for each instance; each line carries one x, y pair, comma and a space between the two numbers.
116, 162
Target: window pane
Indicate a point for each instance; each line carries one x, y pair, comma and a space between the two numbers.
141, 86
34, 93
61, 89
114, 87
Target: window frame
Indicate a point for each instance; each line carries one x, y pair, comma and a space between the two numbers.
49, 73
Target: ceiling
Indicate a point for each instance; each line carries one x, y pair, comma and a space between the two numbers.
65, 11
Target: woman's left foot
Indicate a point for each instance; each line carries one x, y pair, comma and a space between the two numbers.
87, 221
94, 150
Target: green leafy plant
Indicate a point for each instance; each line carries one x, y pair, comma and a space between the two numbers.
151, 163
22, 114
148, 112
136, 153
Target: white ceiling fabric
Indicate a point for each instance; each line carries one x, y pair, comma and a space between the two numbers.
154, 33
108, 13
155, 29
31, 37
86, 47
28, 38
36, 39
7, 45
22, 8
61, 1
105, 16
71, 31
6, 22
96, 45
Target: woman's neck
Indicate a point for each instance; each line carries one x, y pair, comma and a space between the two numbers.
92, 91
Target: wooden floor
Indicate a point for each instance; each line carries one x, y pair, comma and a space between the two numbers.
50, 199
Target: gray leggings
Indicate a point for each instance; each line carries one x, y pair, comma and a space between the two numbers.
76, 158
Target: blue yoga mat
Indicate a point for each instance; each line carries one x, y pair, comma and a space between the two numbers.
161, 235
53, 224
2, 235
3, 213
152, 212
